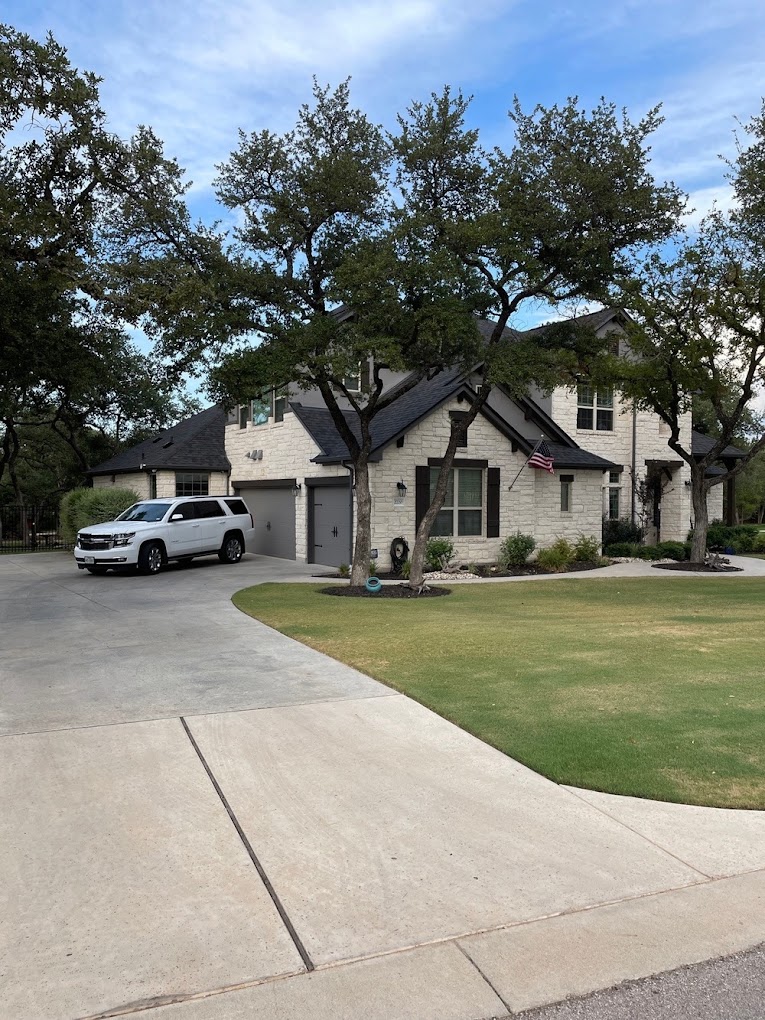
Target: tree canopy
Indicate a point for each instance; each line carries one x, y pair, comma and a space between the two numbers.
66, 184
699, 330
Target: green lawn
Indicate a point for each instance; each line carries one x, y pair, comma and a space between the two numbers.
647, 687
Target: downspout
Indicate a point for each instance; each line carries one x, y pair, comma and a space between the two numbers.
349, 468
634, 462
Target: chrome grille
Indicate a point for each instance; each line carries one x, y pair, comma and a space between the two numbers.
96, 542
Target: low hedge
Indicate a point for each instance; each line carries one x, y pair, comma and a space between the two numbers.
741, 538
81, 508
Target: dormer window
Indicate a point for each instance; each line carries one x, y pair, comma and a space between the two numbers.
594, 408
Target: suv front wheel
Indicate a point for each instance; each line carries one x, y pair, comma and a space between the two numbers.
151, 558
232, 549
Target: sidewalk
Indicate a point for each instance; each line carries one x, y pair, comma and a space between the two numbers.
330, 850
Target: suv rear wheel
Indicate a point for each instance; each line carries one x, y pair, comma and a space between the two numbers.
151, 558
232, 549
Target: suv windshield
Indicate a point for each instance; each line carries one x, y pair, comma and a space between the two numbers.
144, 512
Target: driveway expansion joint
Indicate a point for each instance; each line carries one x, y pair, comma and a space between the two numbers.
485, 977
637, 832
309, 965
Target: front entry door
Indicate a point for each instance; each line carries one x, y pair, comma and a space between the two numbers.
331, 525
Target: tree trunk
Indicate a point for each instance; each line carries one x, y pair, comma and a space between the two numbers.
699, 491
417, 559
363, 546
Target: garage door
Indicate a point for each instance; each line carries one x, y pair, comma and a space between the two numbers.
330, 535
273, 512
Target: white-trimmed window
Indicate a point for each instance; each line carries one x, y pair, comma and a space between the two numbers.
566, 493
613, 500
260, 409
594, 408
463, 515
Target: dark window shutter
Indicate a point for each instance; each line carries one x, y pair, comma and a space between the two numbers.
492, 503
421, 492
364, 374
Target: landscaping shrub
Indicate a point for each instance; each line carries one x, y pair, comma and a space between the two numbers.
406, 569
438, 553
620, 531
759, 543
739, 537
81, 508
557, 556
586, 549
344, 570
515, 550
672, 551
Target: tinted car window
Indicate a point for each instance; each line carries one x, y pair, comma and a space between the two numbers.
145, 512
237, 506
209, 508
186, 510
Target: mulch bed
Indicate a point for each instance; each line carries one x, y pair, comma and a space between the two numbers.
388, 591
531, 568
485, 571
697, 568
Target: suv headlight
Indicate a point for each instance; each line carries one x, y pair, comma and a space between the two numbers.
123, 538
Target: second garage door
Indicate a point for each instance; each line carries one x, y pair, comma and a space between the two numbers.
273, 512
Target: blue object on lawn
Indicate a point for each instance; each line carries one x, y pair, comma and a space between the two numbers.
729, 550
374, 584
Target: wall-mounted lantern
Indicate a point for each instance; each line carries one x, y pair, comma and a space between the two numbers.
296, 489
401, 488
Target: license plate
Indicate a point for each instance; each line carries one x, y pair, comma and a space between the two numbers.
90, 559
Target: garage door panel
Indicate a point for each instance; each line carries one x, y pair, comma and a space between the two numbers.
273, 512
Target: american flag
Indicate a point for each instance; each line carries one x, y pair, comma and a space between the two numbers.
541, 458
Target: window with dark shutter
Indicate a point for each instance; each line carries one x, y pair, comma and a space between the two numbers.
492, 503
421, 493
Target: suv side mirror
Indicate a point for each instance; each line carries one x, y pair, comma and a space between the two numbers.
177, 517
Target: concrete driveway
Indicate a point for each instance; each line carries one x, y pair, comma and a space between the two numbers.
200, 819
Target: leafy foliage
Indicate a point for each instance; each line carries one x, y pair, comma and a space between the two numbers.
65, 183
587, 549
439, 553
83, 507
516, 549
698, 334
621, 530
557, 556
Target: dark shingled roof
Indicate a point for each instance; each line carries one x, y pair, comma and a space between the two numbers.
594, 320
701, 445
196, 444
400, 416
388, 425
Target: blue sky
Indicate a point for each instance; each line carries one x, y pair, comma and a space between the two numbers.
197, 71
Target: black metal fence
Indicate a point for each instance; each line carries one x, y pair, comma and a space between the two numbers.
29, 528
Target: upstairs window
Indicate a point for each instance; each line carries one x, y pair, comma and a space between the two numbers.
594, 408
261, 409
280, 403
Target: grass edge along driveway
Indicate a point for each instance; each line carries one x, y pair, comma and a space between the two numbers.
646, 687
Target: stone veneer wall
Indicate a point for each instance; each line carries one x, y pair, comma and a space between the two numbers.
532, 507
287, 453
617, 446
139, 480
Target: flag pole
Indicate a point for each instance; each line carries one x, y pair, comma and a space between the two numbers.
523, 465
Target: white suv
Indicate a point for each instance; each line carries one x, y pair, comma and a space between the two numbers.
151, 532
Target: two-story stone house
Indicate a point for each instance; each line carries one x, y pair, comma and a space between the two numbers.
290, 465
